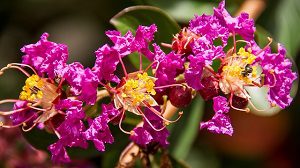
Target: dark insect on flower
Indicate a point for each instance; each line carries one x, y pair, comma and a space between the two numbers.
247, 70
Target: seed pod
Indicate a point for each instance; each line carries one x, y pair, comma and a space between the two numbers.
181, 42
239, 102
180, 96
210, 89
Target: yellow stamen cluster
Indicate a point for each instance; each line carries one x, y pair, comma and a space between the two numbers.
237, 66
139, 89
31, 90
249, 58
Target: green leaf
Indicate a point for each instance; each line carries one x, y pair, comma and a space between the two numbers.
184, 10
189, 129
287, 25
261, 37
130, 18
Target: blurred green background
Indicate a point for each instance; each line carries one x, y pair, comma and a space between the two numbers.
257, 141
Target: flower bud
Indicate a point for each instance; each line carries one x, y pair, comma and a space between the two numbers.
180, 96
239, 102
210, 89
181, 42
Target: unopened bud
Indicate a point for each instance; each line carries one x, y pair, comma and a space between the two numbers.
180, 96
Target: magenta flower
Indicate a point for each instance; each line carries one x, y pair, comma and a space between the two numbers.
220, 122
279, 76
107, 59
26, 115
128, 43
70, 131
45, 98
200, 45
209, 27
83, 82
242, 24
99, 131
167, 66
145, 135
204, 54
45, 56
136, 90
143, 35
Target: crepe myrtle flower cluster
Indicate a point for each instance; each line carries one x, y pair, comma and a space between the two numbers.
56, 95
246, 66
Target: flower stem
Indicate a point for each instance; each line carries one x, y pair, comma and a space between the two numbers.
131, 152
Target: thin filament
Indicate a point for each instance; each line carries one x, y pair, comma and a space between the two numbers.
166, 45
123, 66
18, 64
28, 129
235, 108
270, 42
141, 62
167, 86
160, 115
234, 42
4, 113
144, 116
149, 66
9, 101
14, 126
120, 123
15, 67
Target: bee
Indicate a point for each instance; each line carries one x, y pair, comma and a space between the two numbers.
247, 70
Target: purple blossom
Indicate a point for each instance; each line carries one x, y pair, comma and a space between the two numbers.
106, 63
122, 44
59, 153
89, 87
128, 43
278, 76
45, 56
220, 104
202, 47
167, 66
99, 131
141, 136
70, 130
204, 52
193, 74
83, 82
22, 116
107, 58
144, 35
146, 134
110, 110
220, 122
241, 25
158, 54
72, 127
73, 73
209, 27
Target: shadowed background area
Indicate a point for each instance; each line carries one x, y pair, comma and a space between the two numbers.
258, 141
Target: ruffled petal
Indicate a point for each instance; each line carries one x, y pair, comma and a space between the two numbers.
278, 76
242, 24
220, 122
45, 56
